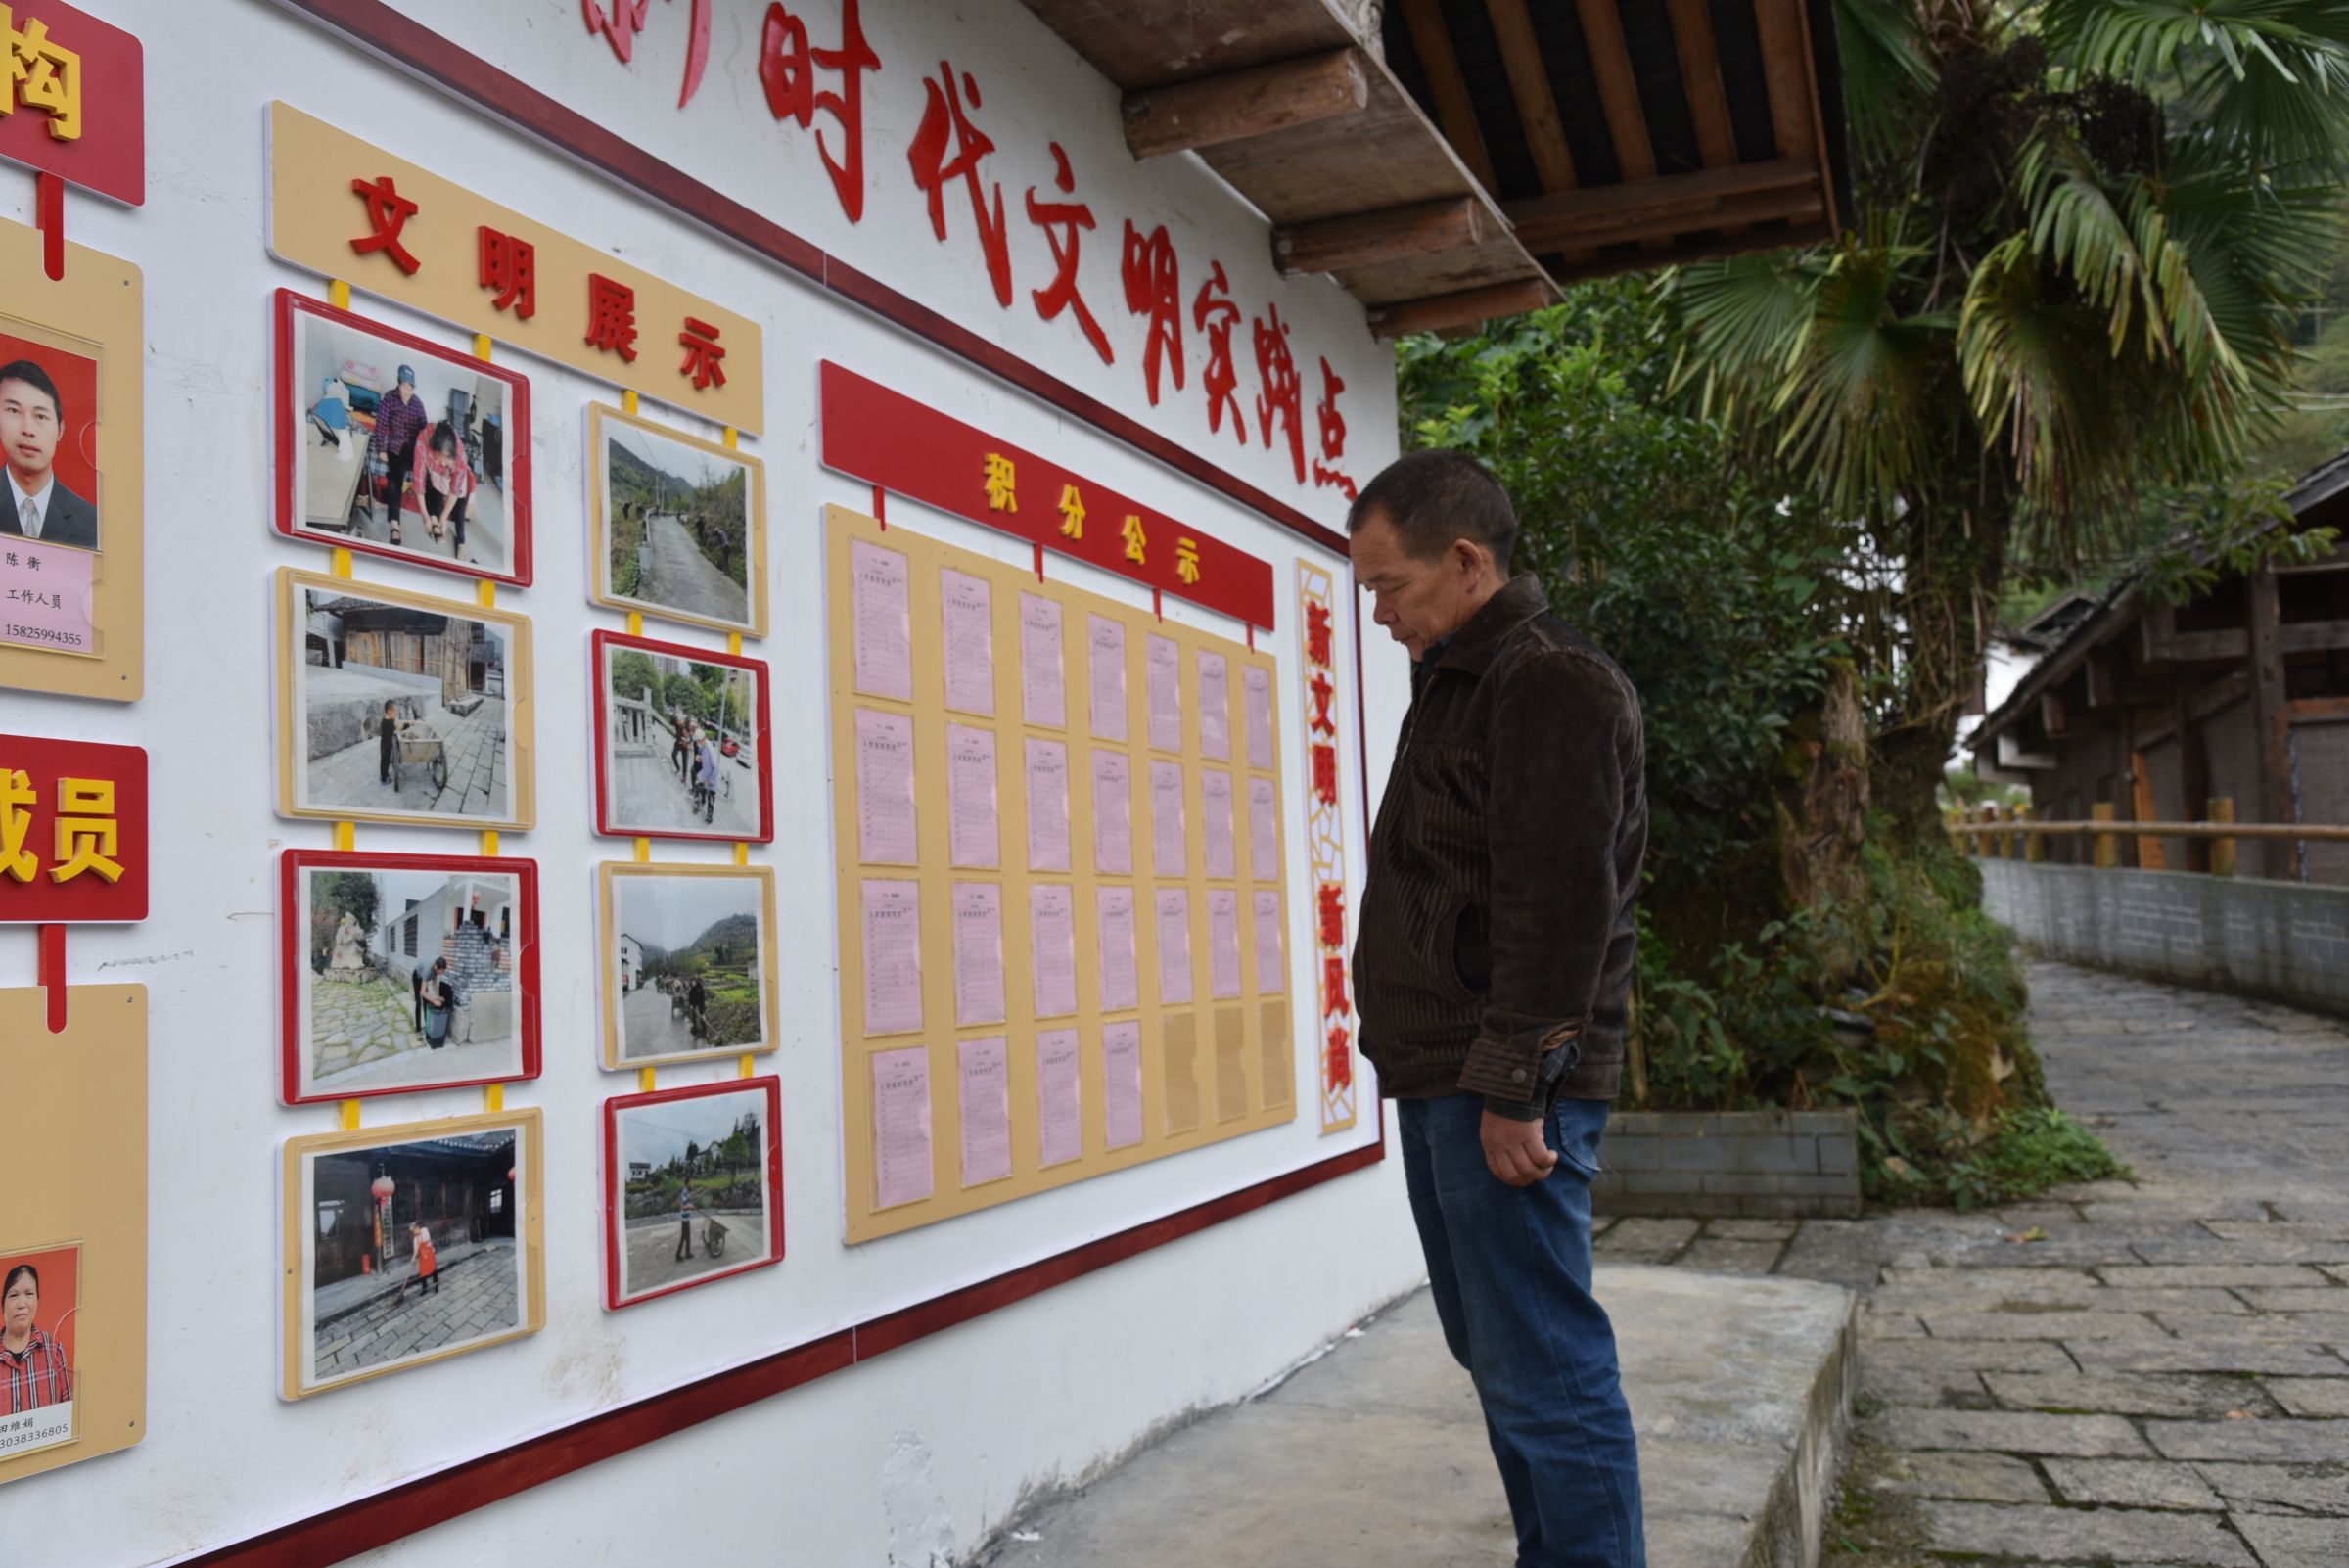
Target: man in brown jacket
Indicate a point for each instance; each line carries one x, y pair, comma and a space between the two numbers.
1492, 968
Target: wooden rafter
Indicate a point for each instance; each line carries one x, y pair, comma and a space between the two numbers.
1529, 85
1456, 110
1466, 308
1618, 87
1786, 72
1256, 102
1367, 239
1663, 208
1701, 81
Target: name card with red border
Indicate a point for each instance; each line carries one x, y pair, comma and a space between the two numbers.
889, 440
72, 831
75, 102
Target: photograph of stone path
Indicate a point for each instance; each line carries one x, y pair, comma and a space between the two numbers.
444, 679
679, 519
364, 1306
371, 933
480, 1294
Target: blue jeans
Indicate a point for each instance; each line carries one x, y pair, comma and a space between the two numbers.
1510, 1271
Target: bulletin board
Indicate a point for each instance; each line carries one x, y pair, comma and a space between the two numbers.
1212, 1068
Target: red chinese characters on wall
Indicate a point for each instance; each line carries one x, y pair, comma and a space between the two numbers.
1061, 221
946, 124
387, 215
1326, 842
948, 148
621, 20
1153, 279
787, 69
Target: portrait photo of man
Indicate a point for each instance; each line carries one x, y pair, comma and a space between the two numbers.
36, 503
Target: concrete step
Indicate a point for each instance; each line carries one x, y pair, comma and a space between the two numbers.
1374, 1457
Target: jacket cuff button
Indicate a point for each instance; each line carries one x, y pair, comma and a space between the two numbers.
1517, 1076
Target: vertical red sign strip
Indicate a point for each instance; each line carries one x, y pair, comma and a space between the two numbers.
886, 438
1326, 842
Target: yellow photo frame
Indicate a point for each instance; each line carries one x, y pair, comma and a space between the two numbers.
670, 548
91, 318
86, 1237
657, 947
462, 752
451, 1209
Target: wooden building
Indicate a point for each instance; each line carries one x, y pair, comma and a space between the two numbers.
2240, 693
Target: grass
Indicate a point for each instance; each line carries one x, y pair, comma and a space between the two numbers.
2028, 1150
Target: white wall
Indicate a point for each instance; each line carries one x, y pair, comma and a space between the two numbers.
909, 1459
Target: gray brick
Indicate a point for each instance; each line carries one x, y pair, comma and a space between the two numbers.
2286, 1542
2014, 1432
1632, 1154
1839, 1155
2290, 1442
2131, 1484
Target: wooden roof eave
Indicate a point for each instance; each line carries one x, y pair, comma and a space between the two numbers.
1280, 99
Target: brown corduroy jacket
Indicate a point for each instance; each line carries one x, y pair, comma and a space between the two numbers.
1496, 920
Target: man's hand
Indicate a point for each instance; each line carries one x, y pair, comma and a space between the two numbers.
1515, 1151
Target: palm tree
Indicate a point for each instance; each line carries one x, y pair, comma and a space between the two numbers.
2089, 225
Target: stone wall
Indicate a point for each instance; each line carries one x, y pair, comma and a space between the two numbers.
2285, 941
1765, 1164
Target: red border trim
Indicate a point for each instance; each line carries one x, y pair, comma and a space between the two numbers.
601, 646
415, 1505
287, 421
479, 85
772, 1088
291, 864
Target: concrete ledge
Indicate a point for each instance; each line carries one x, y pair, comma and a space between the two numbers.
1375, 1456
1773, 1164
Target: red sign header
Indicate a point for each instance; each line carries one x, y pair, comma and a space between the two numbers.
73, 97
891, 440
72, 831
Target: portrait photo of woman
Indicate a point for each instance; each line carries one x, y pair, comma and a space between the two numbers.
34, 1366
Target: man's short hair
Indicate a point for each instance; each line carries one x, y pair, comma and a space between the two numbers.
32, 375
1433, 497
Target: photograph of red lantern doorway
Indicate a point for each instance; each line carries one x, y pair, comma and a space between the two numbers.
413, 1247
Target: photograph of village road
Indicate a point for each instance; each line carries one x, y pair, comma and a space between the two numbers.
410, 980
684, 745
688, 964
414, 1250
694, 1196
439, 680
679, 522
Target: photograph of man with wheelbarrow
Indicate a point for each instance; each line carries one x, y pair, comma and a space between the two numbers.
401, 711
692, 1172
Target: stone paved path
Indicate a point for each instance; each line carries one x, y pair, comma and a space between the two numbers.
476, 769
479, 1294
2164, 1378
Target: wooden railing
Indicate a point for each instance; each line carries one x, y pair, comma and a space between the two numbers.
2002, 834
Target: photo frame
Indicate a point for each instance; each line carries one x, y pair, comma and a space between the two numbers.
677, 525
682, 748
359, 937
455, 679
338, 382
664, 930
40, 1296
450, 1210
691, 1176
72, 602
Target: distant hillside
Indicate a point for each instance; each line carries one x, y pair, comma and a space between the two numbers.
735, 931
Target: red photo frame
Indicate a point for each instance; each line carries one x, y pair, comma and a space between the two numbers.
770, 1091
367, 1077
287, 412
610, 765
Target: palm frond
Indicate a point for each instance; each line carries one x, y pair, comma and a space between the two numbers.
2273, 74
1887, 72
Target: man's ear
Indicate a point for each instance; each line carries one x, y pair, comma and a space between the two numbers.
1469, 557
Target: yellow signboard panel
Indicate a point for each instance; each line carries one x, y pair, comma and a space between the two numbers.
73, 1227
345, 209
